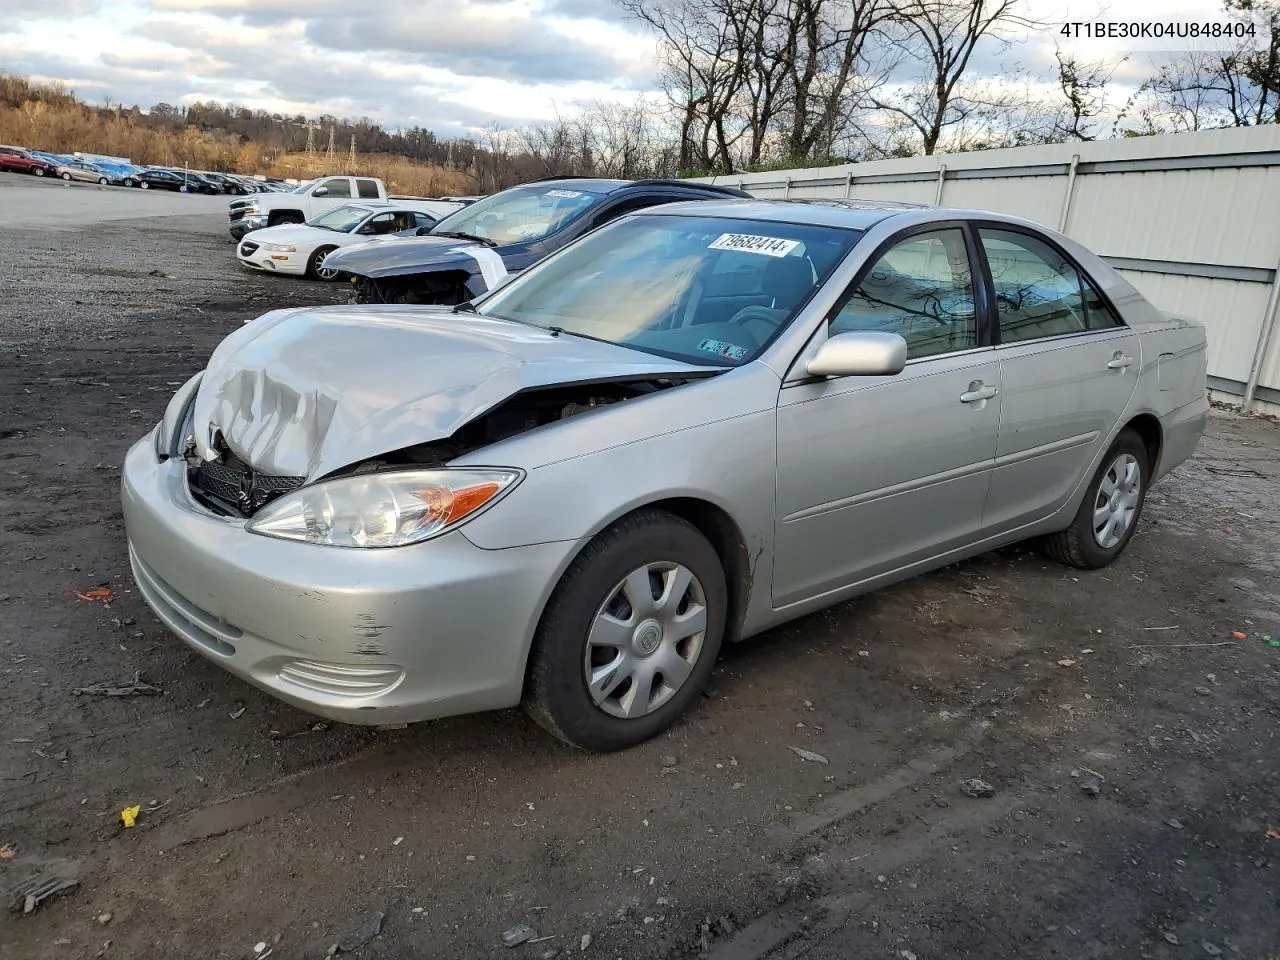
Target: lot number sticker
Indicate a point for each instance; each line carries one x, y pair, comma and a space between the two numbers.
730, 351
745, 242
566, 194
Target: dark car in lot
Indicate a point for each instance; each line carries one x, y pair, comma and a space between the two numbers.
154, 179
18, 160
478, 247
227, 183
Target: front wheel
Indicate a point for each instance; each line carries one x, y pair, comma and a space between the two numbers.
1109, 513
38, 171
315, 266
143, 185
630, 634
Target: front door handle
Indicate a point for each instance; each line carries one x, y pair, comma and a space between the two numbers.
1119, 362
978, 391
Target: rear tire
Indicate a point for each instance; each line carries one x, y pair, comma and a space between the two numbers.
598, 630
1111, 508
66, 176
102, 181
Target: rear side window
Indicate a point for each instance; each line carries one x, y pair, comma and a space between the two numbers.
1038, 292
367, 189
338, 187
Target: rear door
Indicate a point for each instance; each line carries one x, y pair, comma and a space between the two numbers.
1068, 367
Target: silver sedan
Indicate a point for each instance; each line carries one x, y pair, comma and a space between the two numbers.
693, 424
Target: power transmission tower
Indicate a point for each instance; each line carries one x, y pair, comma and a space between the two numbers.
329, 154
311, 141
351, 156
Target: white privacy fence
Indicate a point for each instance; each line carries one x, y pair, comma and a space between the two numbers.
1192, 220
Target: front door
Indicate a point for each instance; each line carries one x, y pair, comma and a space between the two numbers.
1068, 368
878, 473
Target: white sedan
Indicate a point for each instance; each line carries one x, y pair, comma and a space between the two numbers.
300, 248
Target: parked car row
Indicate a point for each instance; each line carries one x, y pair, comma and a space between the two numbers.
116, 172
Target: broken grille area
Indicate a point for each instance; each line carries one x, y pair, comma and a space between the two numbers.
231, 487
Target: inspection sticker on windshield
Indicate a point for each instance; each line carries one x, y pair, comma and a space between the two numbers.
730, 351
567, 194
769, 246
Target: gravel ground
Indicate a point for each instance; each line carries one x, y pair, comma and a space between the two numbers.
1129, 741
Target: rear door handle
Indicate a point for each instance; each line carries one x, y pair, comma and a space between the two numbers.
977, 391
1119, 362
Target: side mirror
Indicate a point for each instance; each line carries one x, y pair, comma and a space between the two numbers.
859, 353
320, 192
423, 231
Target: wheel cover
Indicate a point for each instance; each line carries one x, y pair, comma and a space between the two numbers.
1116, 505
324, 273
645, 640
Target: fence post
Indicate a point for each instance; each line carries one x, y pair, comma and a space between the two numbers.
942, 178
786, 191
1270, 317
848, 186
1071, 187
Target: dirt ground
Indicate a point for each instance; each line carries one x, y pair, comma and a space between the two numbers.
1131, 742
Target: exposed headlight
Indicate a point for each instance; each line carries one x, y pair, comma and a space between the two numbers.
390, 509
278, 247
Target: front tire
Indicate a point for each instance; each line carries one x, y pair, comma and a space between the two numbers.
316, 271
1111, 508
38, 171
630, 634
143, 185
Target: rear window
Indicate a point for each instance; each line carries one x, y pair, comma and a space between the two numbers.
368, 189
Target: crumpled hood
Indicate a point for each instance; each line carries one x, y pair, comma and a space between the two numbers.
408, 256
305, 391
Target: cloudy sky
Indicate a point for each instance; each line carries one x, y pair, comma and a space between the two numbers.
448, 65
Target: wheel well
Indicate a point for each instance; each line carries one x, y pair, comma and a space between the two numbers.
727, 540
1148, 428
276, 215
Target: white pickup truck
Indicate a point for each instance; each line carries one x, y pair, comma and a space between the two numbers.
312, 199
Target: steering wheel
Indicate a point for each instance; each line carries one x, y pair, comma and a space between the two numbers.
762, 314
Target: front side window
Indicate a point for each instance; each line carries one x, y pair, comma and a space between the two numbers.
921, 288
521, 214
1038, 292
652, 283
338, 187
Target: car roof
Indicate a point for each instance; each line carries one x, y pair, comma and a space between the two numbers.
841, 213
604, 185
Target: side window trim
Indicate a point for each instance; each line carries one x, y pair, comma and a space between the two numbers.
982, 307
1083, 275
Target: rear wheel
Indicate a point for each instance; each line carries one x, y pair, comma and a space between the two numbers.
1109, 514
102, 181
630, 634
315, 268
66, 176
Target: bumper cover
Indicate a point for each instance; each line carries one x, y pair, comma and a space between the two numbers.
358, 636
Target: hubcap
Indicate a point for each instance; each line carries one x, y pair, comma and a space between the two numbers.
324, 272
645, 640
1117, 504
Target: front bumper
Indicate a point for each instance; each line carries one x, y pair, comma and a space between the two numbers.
255, 256
245, 225
359, 636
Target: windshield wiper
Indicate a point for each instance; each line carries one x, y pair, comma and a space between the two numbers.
462, 235
466, 306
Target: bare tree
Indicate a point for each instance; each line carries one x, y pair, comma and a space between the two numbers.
940, 36
1084, 87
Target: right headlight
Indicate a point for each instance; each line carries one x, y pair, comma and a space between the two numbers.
393, 508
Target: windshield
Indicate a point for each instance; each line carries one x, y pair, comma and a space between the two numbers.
520, 214
302, 187
704, 290
342, 219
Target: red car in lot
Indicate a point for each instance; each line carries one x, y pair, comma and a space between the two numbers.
19, 161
